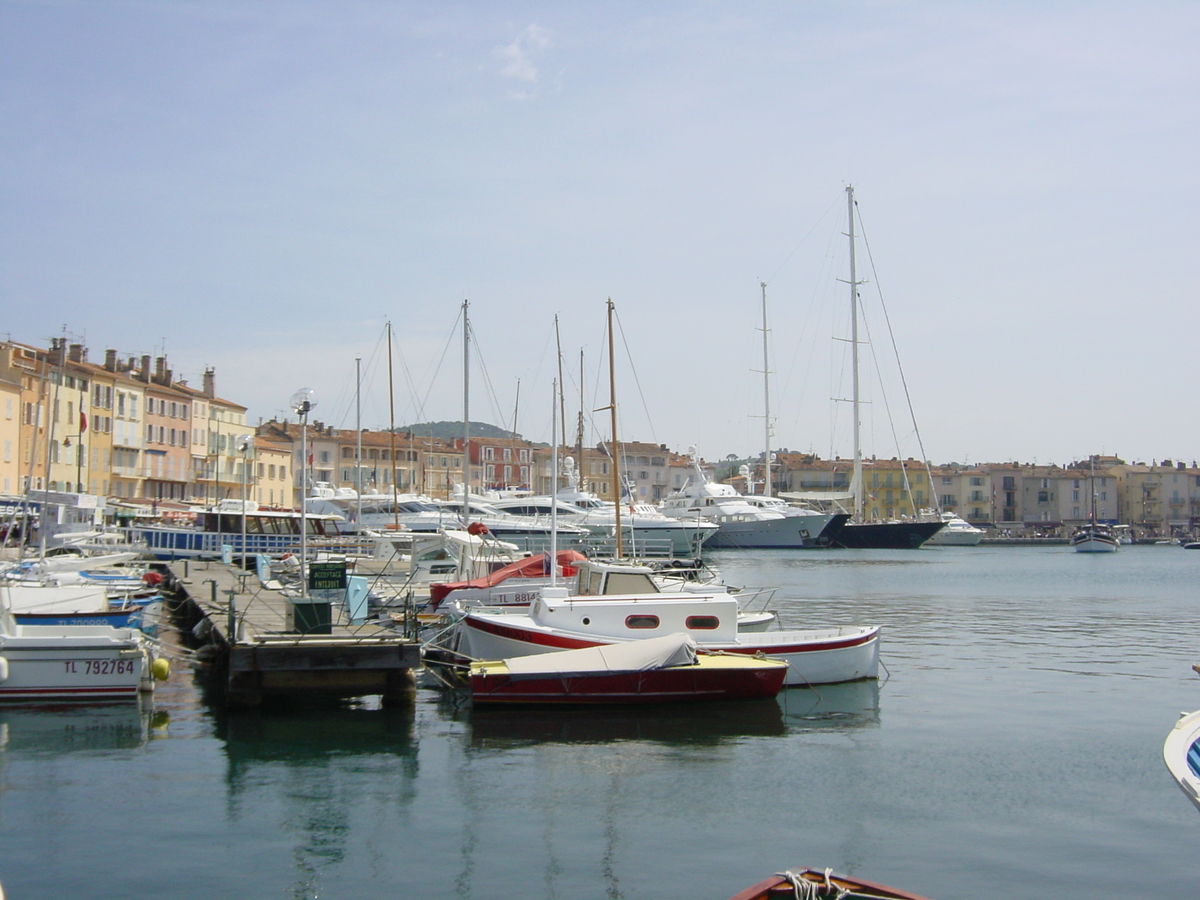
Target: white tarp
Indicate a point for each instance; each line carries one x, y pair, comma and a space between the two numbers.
626, 656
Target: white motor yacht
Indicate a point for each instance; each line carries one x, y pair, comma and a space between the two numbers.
956, 532
742, 523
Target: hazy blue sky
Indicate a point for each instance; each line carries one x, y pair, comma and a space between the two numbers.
260, 186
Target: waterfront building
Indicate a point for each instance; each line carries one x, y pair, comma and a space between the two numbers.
220, 476
966, 491
503, 463
1159, 500
272, 464
10, 423
128, 435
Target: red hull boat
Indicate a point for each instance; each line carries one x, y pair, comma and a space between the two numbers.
813, 883
658, 670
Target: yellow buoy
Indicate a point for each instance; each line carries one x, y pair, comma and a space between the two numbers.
160, 669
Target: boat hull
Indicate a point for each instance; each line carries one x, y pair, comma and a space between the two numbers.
706, 681
1181, 753
884, 535
788, 532
817, 656
820, 884
72, 663
1094, 542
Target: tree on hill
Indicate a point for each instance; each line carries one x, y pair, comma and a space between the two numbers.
449, 431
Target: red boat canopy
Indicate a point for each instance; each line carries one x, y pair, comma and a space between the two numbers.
529, 567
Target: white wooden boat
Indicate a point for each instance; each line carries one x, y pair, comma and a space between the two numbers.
1095, 536
1095, 539
558, 620
519, 585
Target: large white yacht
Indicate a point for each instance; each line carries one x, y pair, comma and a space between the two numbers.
745, 521
644, 529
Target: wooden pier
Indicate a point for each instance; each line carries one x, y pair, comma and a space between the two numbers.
263, 643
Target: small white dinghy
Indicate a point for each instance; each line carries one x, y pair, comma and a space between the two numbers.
1181, 753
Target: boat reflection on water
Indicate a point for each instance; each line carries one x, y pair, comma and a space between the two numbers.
852, 704
58, 728
831, 706
682, 723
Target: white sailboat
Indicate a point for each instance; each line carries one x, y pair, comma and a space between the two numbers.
1095, 537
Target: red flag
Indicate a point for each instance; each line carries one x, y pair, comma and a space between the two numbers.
82, 421
310, 459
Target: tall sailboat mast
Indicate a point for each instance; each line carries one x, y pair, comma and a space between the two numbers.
856, 486
358, 441
392, 430
466, 406
766, 401
562, 403
616, 453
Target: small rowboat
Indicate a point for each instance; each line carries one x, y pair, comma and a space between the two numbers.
1181, 753
666, 669
810, 884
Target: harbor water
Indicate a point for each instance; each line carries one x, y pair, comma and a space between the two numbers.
1011, 749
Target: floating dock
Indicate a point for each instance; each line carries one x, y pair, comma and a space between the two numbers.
262, 643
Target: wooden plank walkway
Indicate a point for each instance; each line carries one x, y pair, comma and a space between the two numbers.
267, 648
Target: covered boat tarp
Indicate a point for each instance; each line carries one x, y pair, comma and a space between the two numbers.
628, 656
529, 567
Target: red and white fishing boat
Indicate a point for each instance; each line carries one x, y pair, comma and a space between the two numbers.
819, 884
560, 620
666, 669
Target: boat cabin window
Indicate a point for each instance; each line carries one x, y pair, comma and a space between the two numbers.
630, 583
703, 623
641, 621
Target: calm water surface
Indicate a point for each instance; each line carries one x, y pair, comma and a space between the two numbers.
1012, 750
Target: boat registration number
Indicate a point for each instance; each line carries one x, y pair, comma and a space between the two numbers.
100, 666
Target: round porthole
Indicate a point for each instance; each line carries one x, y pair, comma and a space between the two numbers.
587, 621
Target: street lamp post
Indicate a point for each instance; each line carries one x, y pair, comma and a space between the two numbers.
303, 402
243, 445
79, 448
